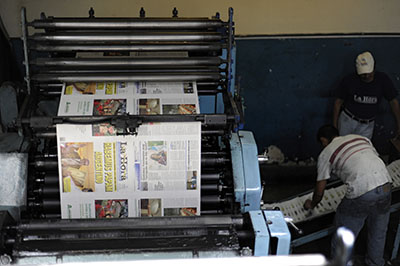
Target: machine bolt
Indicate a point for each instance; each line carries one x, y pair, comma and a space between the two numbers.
5, 259
246, 251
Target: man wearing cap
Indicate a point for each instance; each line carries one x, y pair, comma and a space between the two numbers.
358, 98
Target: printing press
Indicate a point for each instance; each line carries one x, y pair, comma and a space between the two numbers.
231, 223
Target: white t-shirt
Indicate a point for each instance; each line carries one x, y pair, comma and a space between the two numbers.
356, 162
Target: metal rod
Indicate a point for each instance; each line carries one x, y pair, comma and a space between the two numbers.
126, 77
57, 90
52, 134
126, 23
214, 153
52, 179
46, 134
52, 216
25, 46
230, 45
128, 47
217, 120
206, 162
212, 132
111, 235
209, 91
131, 61
131, 70
128, 37
208, 212
132, 223
207, 84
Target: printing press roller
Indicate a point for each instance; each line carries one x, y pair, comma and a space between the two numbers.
52, 178
230, 181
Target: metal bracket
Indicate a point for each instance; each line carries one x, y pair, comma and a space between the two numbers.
278, 228
128, 125
261, 233
215, 119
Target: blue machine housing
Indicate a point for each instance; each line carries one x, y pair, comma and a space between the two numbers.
246, 172
277, 228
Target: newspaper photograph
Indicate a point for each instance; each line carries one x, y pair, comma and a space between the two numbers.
153, 98
153, 173
135, 98
95, 98
111, 208
77, 170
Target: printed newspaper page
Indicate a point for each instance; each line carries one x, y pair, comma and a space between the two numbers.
138, 98
95, 98
155, 173
153, 98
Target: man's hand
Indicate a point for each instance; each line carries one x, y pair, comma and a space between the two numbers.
394, 104
308, 205
337, 107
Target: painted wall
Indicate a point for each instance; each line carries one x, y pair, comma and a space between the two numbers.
251, 17
288, 87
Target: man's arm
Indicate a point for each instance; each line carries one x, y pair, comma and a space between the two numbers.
336, 110
317, 196
394, 104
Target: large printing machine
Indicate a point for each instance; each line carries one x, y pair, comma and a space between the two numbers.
231, 222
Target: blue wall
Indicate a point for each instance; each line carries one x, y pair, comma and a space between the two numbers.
287, 86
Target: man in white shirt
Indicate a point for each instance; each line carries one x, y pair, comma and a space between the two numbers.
367, 200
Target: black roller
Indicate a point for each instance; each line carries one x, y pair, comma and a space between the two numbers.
52, 134
208, 212
48, 179
131, 70
47, 134
52, 216
51, 179
213, 153
209, 91
130, 61
210, 178
45, 164
209, 161
211, 202
212, 132
209, 188
128, 77
132, 223
48, 191
51, 205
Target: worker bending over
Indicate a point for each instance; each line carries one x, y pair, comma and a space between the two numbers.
368, 187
